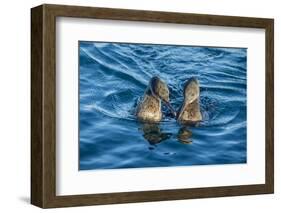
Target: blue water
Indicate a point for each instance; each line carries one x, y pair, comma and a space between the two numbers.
113, 78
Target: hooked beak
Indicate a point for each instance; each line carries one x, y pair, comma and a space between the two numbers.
170, 108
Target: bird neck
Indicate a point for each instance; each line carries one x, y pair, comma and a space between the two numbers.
149, 93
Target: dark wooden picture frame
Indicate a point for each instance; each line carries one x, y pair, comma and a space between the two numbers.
43, 105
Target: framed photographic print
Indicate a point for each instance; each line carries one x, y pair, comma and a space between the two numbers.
136, 106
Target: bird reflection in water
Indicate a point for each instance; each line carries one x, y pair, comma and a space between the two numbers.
184, 135
155, 135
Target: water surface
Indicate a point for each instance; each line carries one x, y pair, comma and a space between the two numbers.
113, 78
